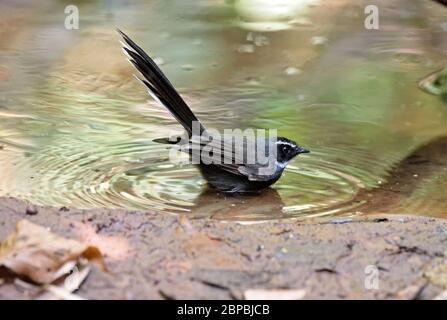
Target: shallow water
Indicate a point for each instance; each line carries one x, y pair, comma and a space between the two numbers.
76, 129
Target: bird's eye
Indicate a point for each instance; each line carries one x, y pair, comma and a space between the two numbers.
285, 149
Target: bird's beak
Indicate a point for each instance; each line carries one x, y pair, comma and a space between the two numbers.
302, 150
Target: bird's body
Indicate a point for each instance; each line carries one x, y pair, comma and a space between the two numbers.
223, 180
227, 166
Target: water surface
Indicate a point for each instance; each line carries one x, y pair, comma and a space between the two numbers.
76, 129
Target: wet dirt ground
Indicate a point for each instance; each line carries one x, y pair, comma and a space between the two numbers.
153, 256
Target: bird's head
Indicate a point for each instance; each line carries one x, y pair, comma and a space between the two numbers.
287, 149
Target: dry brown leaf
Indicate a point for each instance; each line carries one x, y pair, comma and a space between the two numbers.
63, 290
59, 293
274, 294
37, 253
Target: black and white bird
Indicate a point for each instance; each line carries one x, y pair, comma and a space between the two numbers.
234, 173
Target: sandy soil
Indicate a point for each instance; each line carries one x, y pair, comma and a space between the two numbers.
154, 256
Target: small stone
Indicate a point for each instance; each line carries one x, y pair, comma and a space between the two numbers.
31, 211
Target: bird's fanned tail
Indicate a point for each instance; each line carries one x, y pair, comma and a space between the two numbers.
159, 86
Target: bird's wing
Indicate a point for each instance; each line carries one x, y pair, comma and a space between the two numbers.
222, 154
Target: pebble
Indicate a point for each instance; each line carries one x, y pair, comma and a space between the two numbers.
31, 211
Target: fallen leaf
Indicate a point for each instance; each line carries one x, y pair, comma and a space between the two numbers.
35, 252
31, 210
59, 293
63, 290
276, 294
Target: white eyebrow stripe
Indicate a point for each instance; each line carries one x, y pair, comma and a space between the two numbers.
286, 143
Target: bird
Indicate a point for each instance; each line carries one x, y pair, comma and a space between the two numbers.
234, 173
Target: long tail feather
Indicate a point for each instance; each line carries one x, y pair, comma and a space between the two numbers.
159, 86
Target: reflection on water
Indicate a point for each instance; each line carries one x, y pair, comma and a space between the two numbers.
77, 130
436, 83
266, 15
